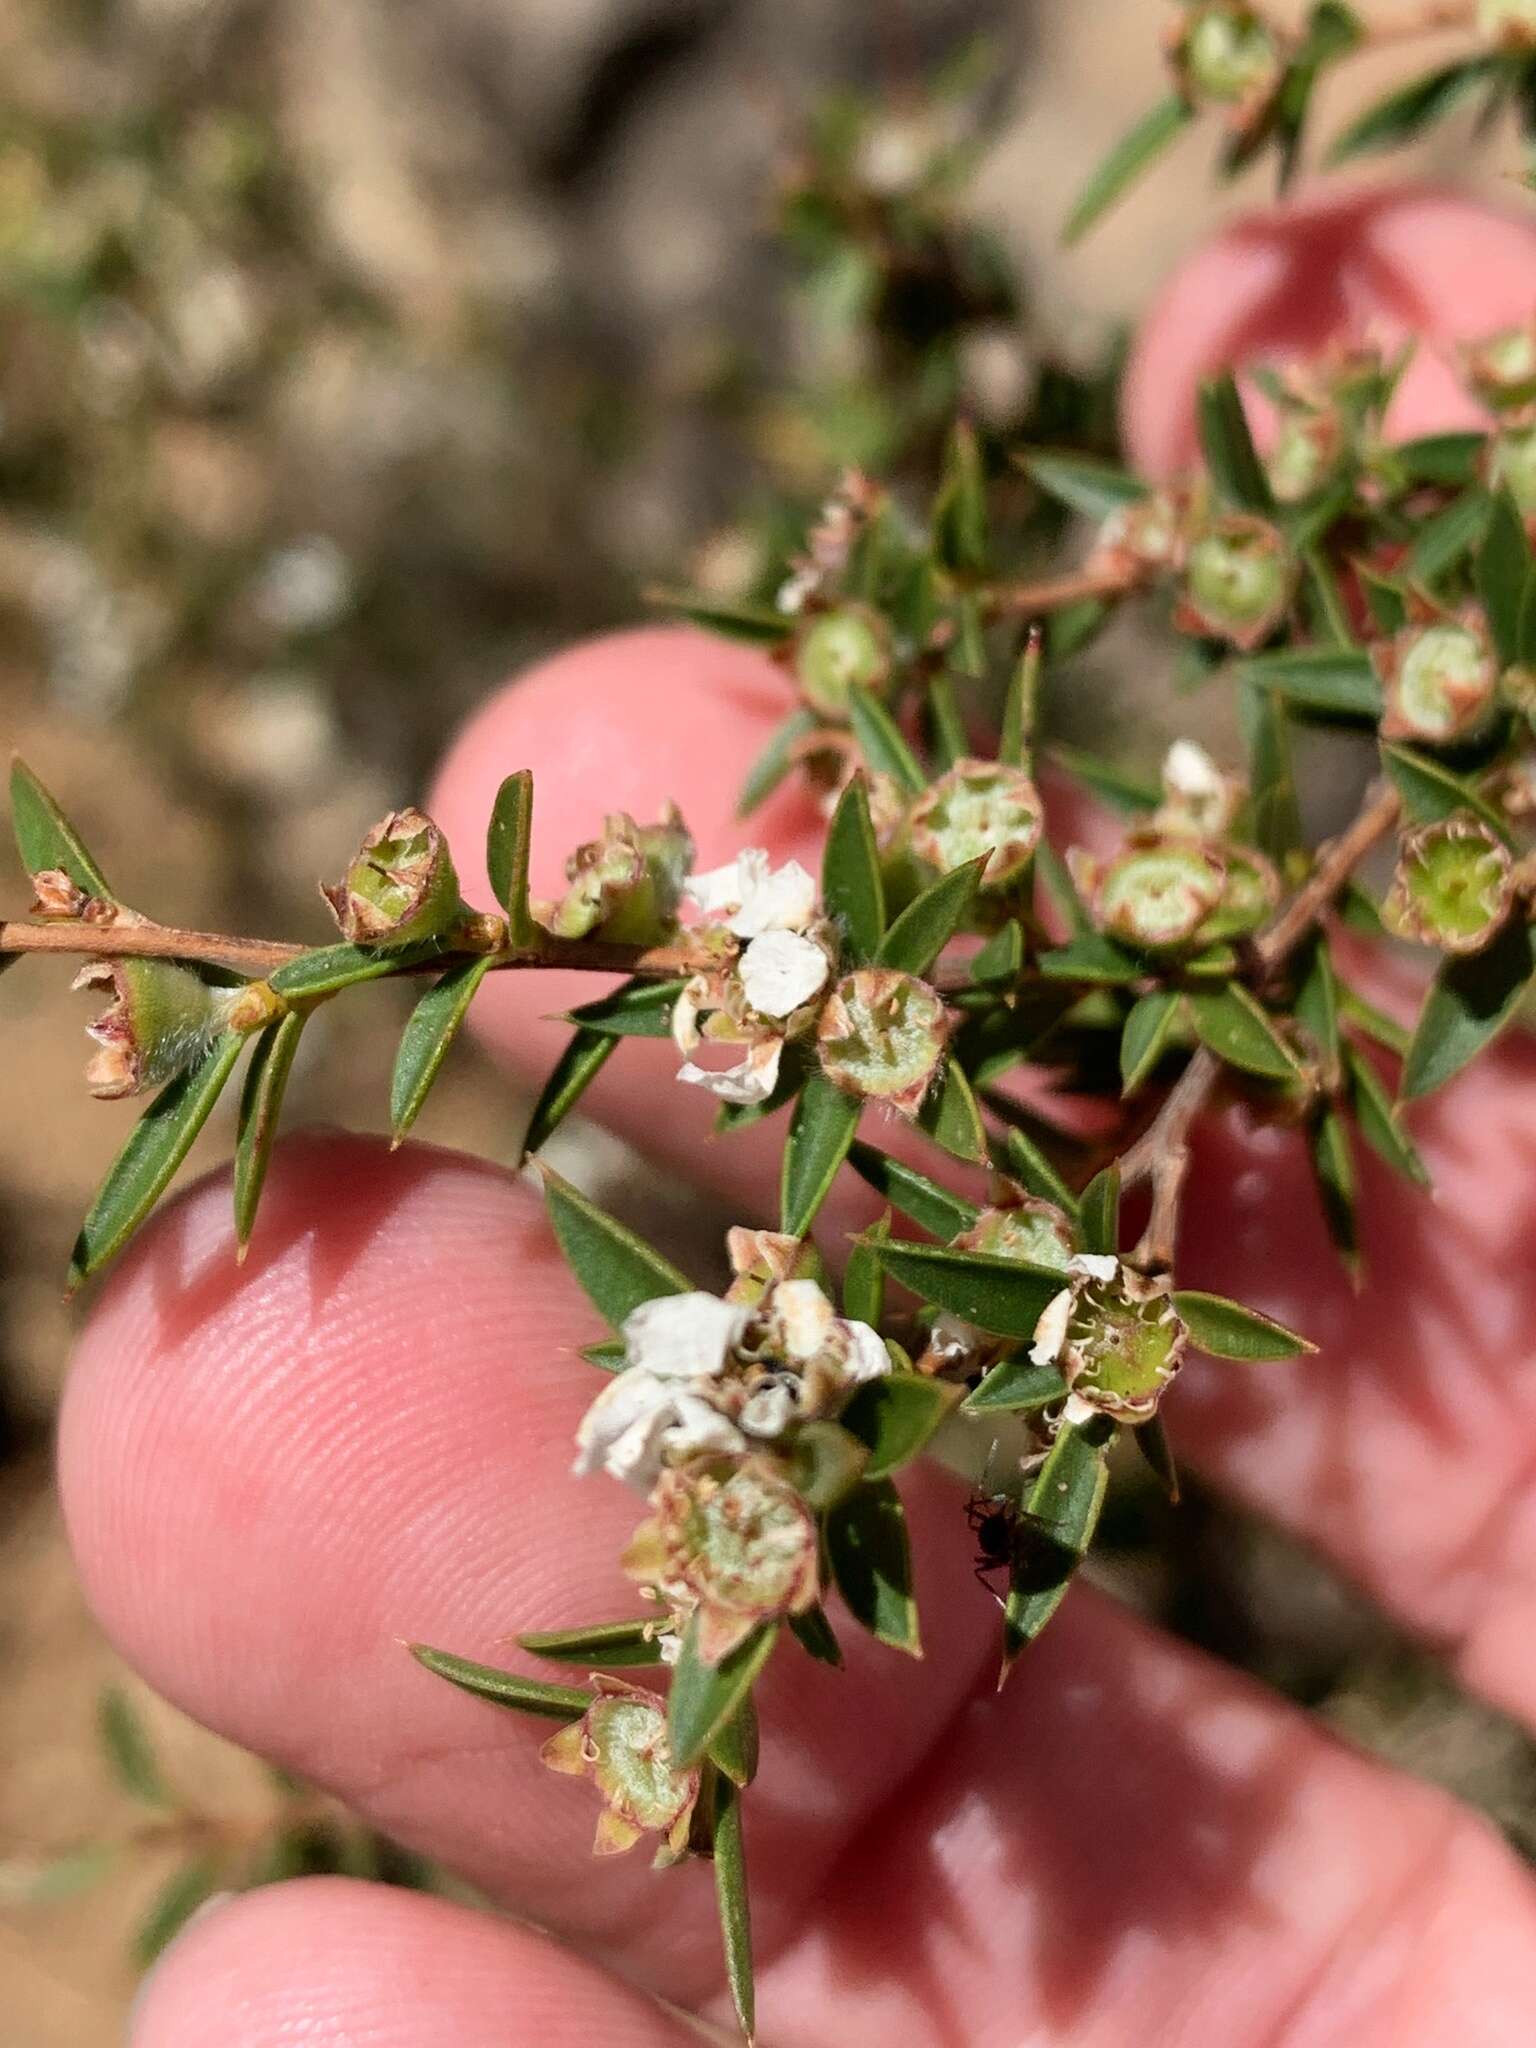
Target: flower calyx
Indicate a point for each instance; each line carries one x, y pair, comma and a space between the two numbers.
621, 1744
1116, 1337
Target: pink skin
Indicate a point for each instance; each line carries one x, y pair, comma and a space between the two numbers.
270, 1476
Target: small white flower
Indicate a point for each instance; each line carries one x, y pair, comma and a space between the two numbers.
867, 1357
682, 1336
750, 1081
750, 898
805, 1319
780, 971
700, 1428
1189, 772
770, 1411
1100, 1266
795, 589
638, 1419
1051, 1330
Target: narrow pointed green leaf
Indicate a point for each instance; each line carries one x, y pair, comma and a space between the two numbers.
1450, 459
930, 921
433, 1026
1407, 113
46, 839
775, 761
172, 1907
1381, 1029
932, 1207
610, 1645
506, 852
1035, 1173
1469, 1003
640, 1009
1333, 1169
814, 1633
1016, 1387
852, 891
1000, 962
611, 1355
1001, 1295
946, 728
1386, 600
1083, 483
616, 1269
1378, 1119
326, 970
734, 1905
734, 1750
1228, 1330
1094, 959
1128, 792
1021, 704
951, 1118
1226, 442
1448, 538
128, 1749
1317, 1000
1060, 891
1152, 1442
1340, 680
1239, 1030
583, 1059
1132, 155
864, 1277
261, 1107
960, 510
820, 1133
871, 1562
703, 1697
505, 1688
1506, 575
896, 1416
1430, 791
1148, 1030
1099, 1208
885, 751
160, 1141
1063, 1507
755, 625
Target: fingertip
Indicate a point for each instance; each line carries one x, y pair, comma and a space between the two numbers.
1281, 284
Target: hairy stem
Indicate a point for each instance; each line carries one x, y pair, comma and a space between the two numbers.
1161, 1155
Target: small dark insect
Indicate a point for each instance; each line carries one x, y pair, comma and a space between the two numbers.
997, 1522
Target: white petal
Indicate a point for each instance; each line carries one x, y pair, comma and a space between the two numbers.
700, 1429
1051, 1330
685, 1015
621, 1431
1093, 1266
780, 971
784, 901
719, 891
751, 1080
1189, 771
805, 1318
682, 1336
769, 1411
951, 1338
1076, 1411
867, 1357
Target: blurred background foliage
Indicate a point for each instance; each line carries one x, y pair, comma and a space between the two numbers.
350, 358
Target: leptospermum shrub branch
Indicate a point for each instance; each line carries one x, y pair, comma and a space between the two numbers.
950, 944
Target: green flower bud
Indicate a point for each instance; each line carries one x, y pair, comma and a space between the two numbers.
1238, 582
1147, 534
1034, 1231
1227, 54
621, 1744
1440, 682
1510, 23
626, 885
1307, 453
883, 1034
739, 1550
1453, 887
838, 651
400, 888
979, 807
159, 1020
1249, 894
1502, 369
1159, 891
1512, 466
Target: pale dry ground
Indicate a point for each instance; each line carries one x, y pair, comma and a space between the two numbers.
65, 1979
